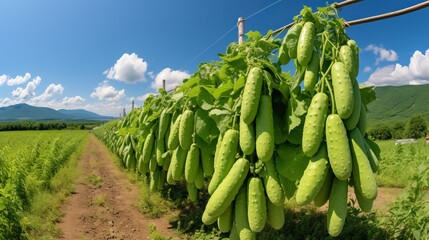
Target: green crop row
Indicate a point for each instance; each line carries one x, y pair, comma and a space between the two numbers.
28, 162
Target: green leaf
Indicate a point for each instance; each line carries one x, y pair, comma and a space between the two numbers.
205, 127
239, 84
367, 93
222, 118
223, 90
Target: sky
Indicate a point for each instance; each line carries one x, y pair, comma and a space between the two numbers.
99, 55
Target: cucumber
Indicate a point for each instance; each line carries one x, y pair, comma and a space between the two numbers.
164, 122
154, 178
186, 129
272, 184
306, 43
173, 139
265, 129
147, 147
275, 215
241, 218
251, 95
323, 195
223, 196
160, 149
226, 157
347, 58
224, 222
343, 90
372, 158
364, 204
313, 178
192, 192
178, 163
199, 178
314, 124
355, 49
353, 120
362, 120
338, 147
247, 137
311, 74
257, 205
337, 210
192, 163
363, 177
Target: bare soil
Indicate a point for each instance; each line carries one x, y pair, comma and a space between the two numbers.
385, 198
104, 204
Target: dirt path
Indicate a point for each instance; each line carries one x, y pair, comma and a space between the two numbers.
103, 205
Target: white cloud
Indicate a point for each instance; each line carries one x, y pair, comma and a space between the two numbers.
367, 69
382, 53
3, 79
128, 68
49, 92
144, 97
151, 74
27, 92
72, 100
18, 80
172, 78
14, 81
107, 92
416, 73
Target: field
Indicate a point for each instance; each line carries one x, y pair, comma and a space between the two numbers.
400, 162
29, 161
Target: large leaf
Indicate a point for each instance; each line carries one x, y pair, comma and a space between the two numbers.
367, 93
205, 127
222, 118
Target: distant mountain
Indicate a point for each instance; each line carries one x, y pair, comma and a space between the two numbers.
83, 114
25, 112
397, 103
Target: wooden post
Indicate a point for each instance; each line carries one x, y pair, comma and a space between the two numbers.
132, 105
124, 113
240, 25
163, 84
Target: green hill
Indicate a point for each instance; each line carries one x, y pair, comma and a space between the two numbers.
396, 103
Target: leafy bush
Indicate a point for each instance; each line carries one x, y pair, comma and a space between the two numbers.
416, 127
408, 218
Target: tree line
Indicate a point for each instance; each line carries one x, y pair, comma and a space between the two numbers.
415, 127
20, 126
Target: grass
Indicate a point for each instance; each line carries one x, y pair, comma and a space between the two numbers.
95, 180
398, 163
40, 220
99, 200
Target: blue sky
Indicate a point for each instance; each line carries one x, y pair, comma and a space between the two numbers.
100, 54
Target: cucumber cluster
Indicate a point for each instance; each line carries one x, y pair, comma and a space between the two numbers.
252, 136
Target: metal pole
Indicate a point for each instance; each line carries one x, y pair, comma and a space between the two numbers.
240, 25
132, 105
163, 84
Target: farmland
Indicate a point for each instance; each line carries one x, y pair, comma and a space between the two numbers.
240, 150
29, 162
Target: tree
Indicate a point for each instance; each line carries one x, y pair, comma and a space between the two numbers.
398, 130
381, 132
416, 127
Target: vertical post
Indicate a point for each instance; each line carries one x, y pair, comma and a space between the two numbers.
132, 105
124, 113
163, 84
240, 25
